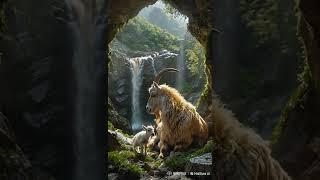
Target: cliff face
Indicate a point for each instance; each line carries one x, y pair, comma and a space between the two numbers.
34, 72
256, 56
45, 44
297, 146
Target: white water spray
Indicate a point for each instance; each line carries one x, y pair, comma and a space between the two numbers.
180, 66
136, 67
153, 66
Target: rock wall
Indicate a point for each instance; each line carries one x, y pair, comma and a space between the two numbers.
254, 74
297, 146
36, 71
40, 87
34, 76
120, 76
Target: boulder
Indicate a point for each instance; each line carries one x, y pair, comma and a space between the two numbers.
113, 176
120, 136
14, 165
117, 120
201, 164
113, 143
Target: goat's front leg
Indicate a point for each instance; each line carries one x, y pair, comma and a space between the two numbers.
134, 149
163, 148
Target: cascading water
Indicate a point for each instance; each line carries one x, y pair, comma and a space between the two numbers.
153, 62
88, 90
180, 66
154, 67
136, 67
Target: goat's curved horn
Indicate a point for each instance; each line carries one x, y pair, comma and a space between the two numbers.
162, 72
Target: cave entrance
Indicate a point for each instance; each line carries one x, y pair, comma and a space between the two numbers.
156, 38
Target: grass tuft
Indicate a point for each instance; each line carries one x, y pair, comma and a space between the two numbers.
120, 160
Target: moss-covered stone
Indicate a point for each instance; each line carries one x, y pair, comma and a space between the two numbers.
204, 95
296, 101
131, 163
117, 120
121, 161
178, 162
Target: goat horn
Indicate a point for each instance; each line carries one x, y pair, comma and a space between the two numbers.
162, 72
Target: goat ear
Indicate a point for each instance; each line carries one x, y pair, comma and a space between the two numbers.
143, 127
156, 85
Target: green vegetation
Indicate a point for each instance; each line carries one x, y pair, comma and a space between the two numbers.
140, 35
110, 126
269, 30
297, 100
261, 18
195, 57
178, 161
270, 21
166, 21
171, 10
204, 95
126, 161
2, 16
121, 161
116, 119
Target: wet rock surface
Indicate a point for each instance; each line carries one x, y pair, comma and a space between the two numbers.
116, 119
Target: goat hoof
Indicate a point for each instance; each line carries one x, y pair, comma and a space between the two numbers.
160, 156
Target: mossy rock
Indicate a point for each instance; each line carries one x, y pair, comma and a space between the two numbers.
121, 161
179, 161
296, 101
117, 120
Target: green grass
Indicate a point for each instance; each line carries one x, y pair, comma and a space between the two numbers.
125, 161
178, 161
120, 160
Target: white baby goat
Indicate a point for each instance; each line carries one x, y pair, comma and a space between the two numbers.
142, 137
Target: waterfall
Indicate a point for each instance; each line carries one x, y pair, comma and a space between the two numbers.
153, 56
136, 67
87, 27
180, 66
153, 66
